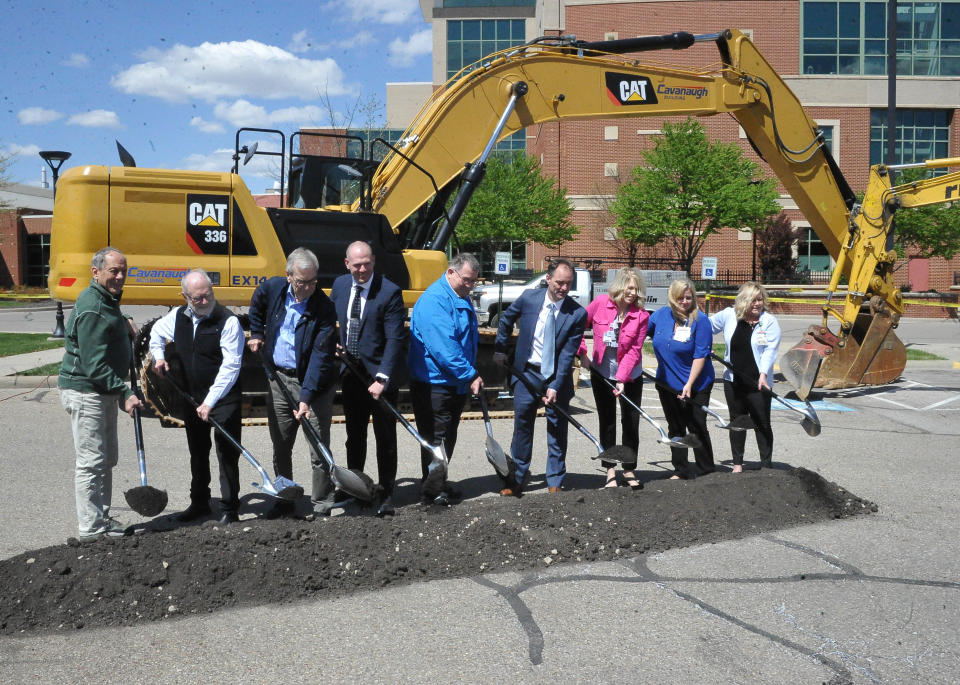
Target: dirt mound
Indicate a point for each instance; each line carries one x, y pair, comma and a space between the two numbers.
198, 569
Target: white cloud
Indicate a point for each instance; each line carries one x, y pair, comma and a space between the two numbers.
299, 42
78, 60
244, 113
221, 160
97, 118
211, 71
22, 150
403, 52
206, 126
37, 115
381, 11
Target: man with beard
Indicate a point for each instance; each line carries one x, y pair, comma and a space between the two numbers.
209, 341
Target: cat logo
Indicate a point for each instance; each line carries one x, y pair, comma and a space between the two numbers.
630, 89
208, 223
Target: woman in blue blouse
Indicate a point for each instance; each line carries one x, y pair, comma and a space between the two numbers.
682, 340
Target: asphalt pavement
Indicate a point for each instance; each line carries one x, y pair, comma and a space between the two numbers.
874, 599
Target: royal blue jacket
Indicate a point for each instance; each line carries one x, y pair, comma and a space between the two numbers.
314, 341
443, 338
675, 358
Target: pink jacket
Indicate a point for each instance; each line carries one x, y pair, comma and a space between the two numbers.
601, 313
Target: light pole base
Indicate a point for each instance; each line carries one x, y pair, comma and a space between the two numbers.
58, 330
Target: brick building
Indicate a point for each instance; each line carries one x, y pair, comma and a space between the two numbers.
25, 217
831, 54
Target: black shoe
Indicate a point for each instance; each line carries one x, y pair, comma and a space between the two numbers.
193, 512
386, 507
453, 491
228, 517
442, 500
280, 509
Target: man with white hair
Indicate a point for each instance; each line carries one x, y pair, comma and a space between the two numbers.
208, 339
294, 322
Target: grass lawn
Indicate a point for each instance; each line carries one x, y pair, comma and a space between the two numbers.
21, 343
921, 356
45, 370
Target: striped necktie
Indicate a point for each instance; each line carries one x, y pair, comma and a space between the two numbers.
353, 333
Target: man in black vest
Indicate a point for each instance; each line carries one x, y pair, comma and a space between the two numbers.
209, 341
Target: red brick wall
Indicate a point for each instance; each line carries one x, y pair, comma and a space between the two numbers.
11, 238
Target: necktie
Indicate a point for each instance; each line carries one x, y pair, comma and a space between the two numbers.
548, 361
353, 333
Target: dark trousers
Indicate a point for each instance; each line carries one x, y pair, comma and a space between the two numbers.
742, 399
681, 418
525, 408
358, 407
198, 441
437, 410
606, 403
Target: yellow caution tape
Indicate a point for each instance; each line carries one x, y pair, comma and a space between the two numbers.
918, 303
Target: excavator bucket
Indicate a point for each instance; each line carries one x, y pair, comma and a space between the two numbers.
872, 354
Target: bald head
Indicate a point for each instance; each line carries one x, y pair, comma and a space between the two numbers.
198, 292
360, 261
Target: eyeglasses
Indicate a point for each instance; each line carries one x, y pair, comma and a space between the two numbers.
303, 284
200, 298
466, 281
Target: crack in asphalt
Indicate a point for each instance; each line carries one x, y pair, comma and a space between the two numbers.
643, 574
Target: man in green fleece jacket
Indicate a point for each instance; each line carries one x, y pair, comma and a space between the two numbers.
96, 359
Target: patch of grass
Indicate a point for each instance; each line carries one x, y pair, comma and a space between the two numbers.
45, 370
922, 356
21, 343
719, 348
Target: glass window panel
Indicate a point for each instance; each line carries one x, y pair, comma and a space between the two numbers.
518, 32
471, 53
820, 19
875, 47
876, 151
950, 20
875, 20
904, 20
926, 20
488, 46
950, 47
820, 47
471, 29
924, 67
454, 58
454, 30
503, 29
819, 65
849, 47
848, 65
488, 30
925, 47
904, 66
950, 66
827, 132
924, 118
906, 117
874, 65
849, 20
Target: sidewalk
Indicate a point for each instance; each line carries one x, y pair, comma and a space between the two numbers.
18, 363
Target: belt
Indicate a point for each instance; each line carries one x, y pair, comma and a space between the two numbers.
287, 372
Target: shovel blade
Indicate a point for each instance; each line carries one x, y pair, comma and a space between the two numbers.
497, 457
436, 478
618, 454
283, 488
689, 440
354, 483
742, 423
146, 500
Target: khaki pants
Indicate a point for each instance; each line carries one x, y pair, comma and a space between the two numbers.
93, 418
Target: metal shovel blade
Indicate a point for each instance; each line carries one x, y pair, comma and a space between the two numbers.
497, 458
618, 454
436, 474
146, 500
356, 484
741, 423
689, 440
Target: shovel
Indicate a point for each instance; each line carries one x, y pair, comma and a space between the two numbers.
280, 487
437, 470
689, 440
617, 453
354, 483
144, 499
810, 421
740, 423
501, 461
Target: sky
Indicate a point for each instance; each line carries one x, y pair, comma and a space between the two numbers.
172, 80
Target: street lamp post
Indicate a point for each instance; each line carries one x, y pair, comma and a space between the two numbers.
55, 159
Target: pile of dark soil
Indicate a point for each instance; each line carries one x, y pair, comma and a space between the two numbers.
198, 569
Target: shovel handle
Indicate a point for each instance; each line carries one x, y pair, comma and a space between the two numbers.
137, 423
649, 419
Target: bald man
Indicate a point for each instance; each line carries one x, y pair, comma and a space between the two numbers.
209, 341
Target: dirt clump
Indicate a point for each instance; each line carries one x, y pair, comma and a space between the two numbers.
198, 569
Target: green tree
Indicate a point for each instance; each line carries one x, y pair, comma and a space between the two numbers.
689, 188
516, 202
931, 231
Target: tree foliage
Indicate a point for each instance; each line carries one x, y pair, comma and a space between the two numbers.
931, 231
775, 249
689, 188
516, 202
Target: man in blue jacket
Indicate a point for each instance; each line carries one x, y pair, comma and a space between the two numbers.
442, 359
293, 321
544, 355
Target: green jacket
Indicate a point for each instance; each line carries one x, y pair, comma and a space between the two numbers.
96, 354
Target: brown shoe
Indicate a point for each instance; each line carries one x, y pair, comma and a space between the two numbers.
509, 492
553, 489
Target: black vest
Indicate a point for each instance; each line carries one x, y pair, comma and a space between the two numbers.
201, 354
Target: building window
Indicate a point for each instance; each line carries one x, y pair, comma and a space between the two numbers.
468, 40
391, 135
38, 259
922, 134
811, 253
850, 37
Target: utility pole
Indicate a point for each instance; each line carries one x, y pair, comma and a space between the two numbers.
56, 158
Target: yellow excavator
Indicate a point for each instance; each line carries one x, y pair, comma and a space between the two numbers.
167, 222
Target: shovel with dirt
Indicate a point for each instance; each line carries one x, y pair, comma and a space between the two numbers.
280, 487
144, 499
354, 483
437, 470
617, 453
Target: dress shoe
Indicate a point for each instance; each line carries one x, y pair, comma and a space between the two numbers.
228, 517
510, 492
193, 512
280, 509
386, 507
553, 489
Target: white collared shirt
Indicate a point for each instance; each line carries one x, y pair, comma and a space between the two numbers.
231, 346
536, 349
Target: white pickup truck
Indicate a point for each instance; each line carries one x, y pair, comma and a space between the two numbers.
489, 302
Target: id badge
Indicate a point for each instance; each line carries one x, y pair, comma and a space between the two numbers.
610, 338
761, 338
681, 333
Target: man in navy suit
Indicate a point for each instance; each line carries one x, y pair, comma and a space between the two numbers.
371, 314
545, 353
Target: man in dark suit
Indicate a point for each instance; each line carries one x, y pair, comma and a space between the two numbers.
293, 321
371, 314
551, 326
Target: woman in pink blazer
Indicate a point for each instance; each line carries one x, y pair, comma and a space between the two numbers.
619, 327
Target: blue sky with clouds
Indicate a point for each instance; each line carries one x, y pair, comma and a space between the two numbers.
172, 80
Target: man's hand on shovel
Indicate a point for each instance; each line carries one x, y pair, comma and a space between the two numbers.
133, 403
303, 411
